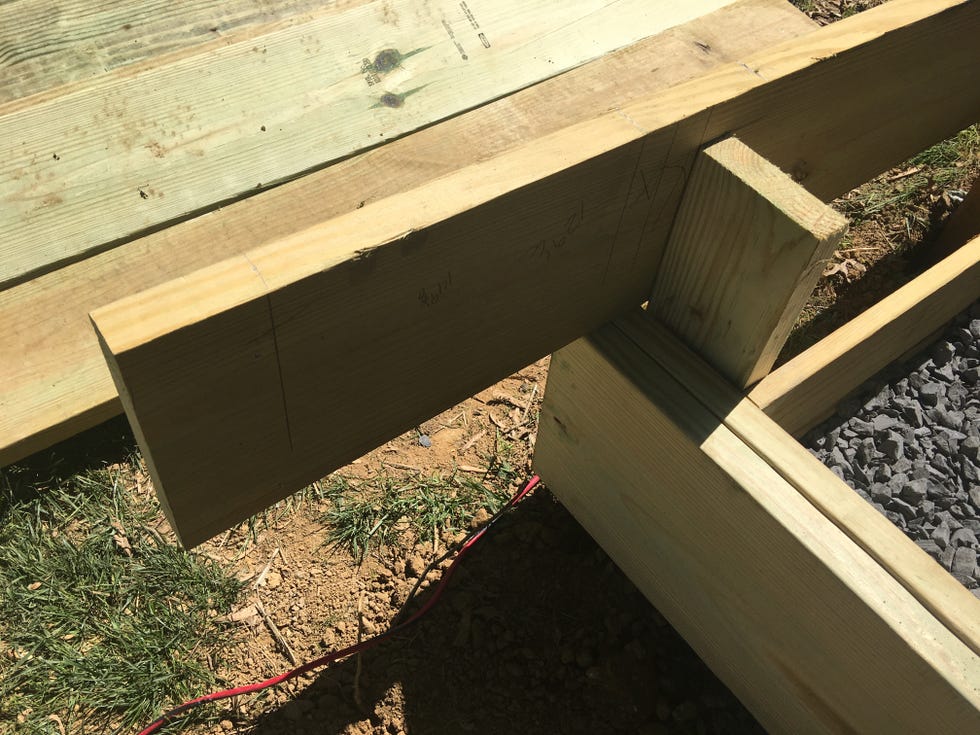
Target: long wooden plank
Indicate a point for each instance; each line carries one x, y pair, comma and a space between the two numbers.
806, 628
915, 570
744, 255
47, 43
55, 380
266, 343
134, 150
807, 389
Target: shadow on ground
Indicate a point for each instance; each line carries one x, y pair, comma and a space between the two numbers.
539, 632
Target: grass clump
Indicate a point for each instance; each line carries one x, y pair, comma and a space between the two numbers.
377, 511
102, 620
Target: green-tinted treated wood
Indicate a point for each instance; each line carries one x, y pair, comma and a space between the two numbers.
45, 44
145, 146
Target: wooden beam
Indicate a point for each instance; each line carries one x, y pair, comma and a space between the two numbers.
140, 148
807, 389
744, 255
46, 44
807, 629
55, 379
936, 590
265, 343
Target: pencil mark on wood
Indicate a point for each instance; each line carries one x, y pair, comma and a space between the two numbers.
546, 246
432, 295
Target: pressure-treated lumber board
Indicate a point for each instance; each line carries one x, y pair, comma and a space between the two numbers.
745, 253
807, 389
47, 43
135, 150
804, 626
230, 372
915, 570
55, 379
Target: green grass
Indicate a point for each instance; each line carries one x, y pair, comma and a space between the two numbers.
935, 169
373, 513
88, 633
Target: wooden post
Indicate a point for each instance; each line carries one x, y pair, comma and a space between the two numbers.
745, 252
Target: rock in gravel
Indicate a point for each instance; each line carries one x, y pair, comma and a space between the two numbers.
941, 535
892, 445
964, 564
942, 353
930, 393
906, 510
970, 448
964, 537
882, 423
914, 492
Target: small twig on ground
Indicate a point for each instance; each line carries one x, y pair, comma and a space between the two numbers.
261, 578
276, 635
400, 466
471, 441
530, 402
357, 671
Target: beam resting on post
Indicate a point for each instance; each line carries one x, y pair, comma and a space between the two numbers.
744, 254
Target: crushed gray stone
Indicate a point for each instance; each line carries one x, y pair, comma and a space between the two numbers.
909, 443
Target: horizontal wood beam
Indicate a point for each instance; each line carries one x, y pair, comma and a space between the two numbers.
801, 393
55, 379
229, 374
143, 147
807, 629
744, 255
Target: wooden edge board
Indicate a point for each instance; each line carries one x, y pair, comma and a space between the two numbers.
806, 390
246, 354
807, 629
915, 570
55, 379
745, 252
88, 170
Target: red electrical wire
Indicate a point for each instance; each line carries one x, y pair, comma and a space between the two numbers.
172, 714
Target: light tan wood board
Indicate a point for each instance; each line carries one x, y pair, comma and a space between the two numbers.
45, 44
935, 589
134, 150
578, 218
807, 389
744, 254
804, 626
55, 379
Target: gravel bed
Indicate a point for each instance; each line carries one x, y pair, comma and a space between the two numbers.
908, 443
